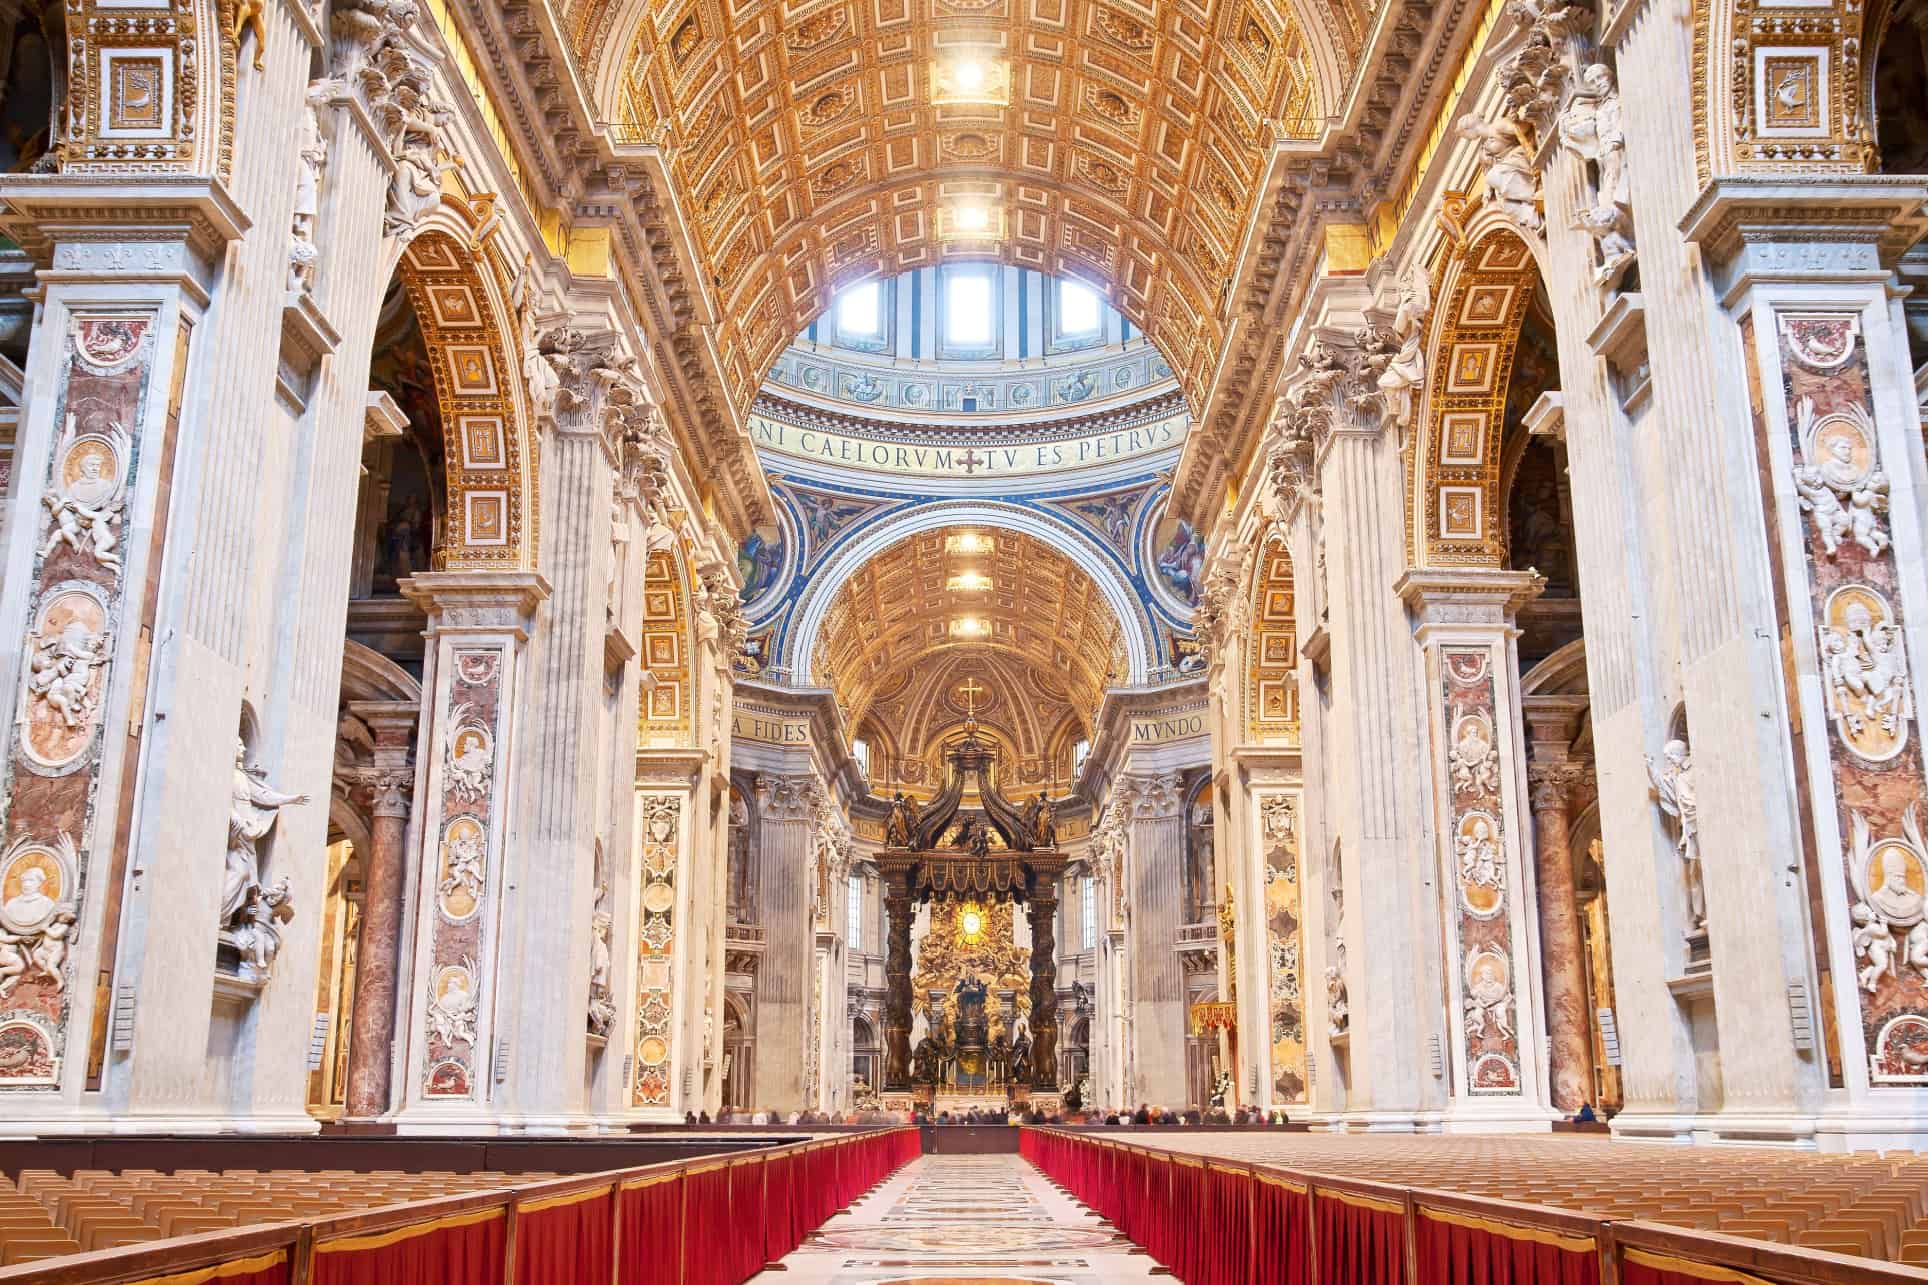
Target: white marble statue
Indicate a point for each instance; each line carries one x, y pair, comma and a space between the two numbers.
1864, 669
248, 909
1890, 917
1508, 168
602, 1001
1338, 1015
1406, 371
60, 672
451, 1010
1591, 127
311, 148
1475, 761
1479, 855
87, 509
1673, 789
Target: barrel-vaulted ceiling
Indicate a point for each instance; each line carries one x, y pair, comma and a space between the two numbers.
813, 144
944, 590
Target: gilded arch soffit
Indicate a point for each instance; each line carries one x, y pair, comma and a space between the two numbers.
1272, 664
1456, 517
492, 509
898, 610
664, 709
1118, 142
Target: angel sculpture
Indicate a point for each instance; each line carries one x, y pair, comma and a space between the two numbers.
900, 828
1873, 941
1673, 789
451, 1014
469, 755
1509, 173
1864, 664
1475, 762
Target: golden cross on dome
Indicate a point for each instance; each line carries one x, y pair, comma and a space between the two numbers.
969, 692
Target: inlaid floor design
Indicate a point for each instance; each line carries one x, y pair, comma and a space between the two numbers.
964, 1220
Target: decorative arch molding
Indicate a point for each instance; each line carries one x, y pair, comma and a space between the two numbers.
669, 689
1272, 655
1140, 642
491, 459
1456, 516
1746, 54
1562, 673
367, 675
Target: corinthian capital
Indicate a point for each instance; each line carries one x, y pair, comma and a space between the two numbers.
788, 798
1154, 797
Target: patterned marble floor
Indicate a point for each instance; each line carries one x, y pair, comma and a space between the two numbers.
965, 1220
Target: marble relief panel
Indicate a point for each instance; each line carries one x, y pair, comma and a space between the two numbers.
1279, 828
471, 769
1873, 744
660, 821
1479, 873
55, 747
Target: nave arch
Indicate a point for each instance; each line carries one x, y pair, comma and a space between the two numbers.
491, 458
1457, 512
1140, 644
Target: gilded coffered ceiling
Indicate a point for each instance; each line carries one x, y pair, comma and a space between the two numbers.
920, 602
814, 144
1022, 709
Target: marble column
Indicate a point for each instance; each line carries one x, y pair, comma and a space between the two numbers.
1155, 859
125, 277
899, 914
478, 628
543, 1014
390, 780
787, 831
1043, 910
1373, 774
1469, 663
1562, 952
1808, 825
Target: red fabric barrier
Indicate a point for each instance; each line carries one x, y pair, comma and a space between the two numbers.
1225, 1253
1283, 1217
1185, 1225
1459, 1249
1155, 1210
651, 1216
708, 1233
1361, 1240
747, 1231
1640, 1268
272, 1267
780, 1234
460, 1249
564, 1240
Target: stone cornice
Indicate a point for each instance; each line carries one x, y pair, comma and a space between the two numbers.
1467, 595
41, 210
1734, 214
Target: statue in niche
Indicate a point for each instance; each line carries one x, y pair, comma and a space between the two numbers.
311, 149
249, 911
1508, 166
1591, 128
602, 1002
1338, 1016
1673, 789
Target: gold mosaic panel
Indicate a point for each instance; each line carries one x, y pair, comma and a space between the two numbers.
1272, 674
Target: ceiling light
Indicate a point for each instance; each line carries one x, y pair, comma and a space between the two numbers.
970, 74
968, 542
969, 627
970, 582
973, 218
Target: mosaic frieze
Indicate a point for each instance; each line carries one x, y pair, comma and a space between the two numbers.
1479, 873
655, 941
1841, 488
464, 882
56, 745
